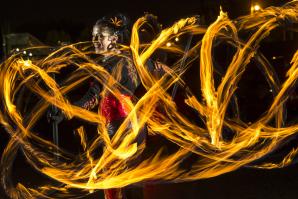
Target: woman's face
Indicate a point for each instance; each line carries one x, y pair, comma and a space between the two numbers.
103, 40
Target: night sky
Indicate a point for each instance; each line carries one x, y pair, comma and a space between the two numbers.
40, 17
75, 18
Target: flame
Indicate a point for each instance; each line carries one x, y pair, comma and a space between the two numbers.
123, 161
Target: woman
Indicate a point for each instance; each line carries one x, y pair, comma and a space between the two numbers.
107, 34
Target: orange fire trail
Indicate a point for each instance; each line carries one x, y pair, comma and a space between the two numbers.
119, 164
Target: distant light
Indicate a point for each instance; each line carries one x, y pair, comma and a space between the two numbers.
270, 90
273, 57
257, 7
169, 44
17, 49
30, 54
177, 39
24, 52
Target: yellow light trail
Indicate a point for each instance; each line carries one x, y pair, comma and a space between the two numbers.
119, 164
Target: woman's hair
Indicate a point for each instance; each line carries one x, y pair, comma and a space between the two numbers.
115, 24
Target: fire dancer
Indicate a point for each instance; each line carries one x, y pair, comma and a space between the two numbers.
107, 35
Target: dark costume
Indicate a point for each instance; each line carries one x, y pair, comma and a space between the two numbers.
114, 30
114, 110
111, 108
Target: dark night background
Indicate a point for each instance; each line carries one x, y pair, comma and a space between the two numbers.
71, 21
